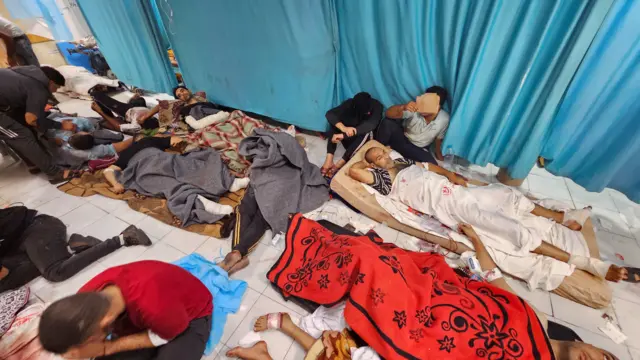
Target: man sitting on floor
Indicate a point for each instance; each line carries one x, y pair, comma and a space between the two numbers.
512, 225
424, 123
142, 310
33, 244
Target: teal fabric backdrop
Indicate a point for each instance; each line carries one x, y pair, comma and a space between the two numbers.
506, 65
275, 58
131, 41
595, 136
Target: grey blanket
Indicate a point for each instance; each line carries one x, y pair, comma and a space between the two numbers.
179, 179
282, 176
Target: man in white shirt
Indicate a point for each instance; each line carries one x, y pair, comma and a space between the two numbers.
19, 50
424, 123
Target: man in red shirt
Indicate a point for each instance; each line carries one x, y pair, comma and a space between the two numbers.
141, 310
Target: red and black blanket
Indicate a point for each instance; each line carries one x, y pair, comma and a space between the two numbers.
406, 305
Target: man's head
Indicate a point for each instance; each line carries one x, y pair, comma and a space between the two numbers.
379, 158
440, 91
182, 93
74, 321
362, 104
56, 80
81, 141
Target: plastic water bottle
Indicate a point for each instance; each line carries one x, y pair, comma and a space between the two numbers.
449, 158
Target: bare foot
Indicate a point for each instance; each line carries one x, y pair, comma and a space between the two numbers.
573, 225
230, 259
616, 273
262, 323
243, 263
258, 351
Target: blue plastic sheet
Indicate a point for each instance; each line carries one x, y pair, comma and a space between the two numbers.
595, 137
506, 65
270, 57
129, 37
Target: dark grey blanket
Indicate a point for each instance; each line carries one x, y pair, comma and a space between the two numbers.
282, 176
179, 179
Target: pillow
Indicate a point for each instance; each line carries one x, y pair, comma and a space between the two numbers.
10, 303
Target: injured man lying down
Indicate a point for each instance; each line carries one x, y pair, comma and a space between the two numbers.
531, 242
192, 182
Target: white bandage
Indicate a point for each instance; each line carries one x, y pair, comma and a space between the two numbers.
155, 339
492, 275
108, 170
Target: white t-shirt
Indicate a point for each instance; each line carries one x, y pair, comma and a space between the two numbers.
421, 133
9, 29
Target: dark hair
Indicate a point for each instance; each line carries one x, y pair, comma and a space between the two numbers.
81, 141
138, 102
71, 321
442, 93
362, 103
53, 75
175, 89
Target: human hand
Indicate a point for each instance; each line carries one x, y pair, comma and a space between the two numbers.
68, 125
337, 138
577, 350
328, 164
328, 344
86, 351
95, 107
117, 189
175, 140
458, 180
350, 131
469, 231
411, 106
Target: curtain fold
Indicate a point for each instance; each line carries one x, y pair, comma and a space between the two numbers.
275, 58
595, 136
506, 65
130, 40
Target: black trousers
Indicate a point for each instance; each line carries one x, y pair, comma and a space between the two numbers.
250, 225
391, 133
351, 144
24, 142
43, 251
189, 345
110, 105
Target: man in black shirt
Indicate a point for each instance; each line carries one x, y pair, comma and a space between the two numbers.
352, 124
24, 93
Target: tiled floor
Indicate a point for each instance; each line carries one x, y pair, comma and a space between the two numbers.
617, 222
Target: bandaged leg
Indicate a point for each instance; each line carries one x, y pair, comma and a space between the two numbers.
239, 183
214, 208
592, 265
579, 216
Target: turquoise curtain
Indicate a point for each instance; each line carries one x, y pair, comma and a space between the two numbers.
595, 136
131, 41
505, 63
270, 57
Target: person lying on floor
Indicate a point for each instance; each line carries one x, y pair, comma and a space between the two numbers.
141, 310
404, 304
133, 112
33, 244
92, 146
166, 113
352, 124
188, 191
501, 214
423, 125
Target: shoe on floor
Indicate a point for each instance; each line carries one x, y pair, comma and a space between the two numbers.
134, 236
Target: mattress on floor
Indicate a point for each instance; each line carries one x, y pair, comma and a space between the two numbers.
580, 287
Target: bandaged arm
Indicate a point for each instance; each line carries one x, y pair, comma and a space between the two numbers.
453, 177
110, 175
207, 120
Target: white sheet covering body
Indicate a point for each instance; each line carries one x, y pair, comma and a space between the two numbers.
79, 81
500, 215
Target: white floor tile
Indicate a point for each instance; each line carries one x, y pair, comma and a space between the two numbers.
599, 340
626, 290
277, 342
600, 200
607, 220
81, 217
541, 300
105, 203
161, 252
61, 205
576, 314
153, 227
554, 188
233, 320
274, 295
541, 172
104, 228
39, 196
55, 291
183, 240
629, 319
22, 184
618, 249
635, 354
215, 249
124, 255
261, 261
296, 352
386, 233
222, 354
127, 214
630, 210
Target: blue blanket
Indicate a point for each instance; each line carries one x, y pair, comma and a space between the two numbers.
227, 294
